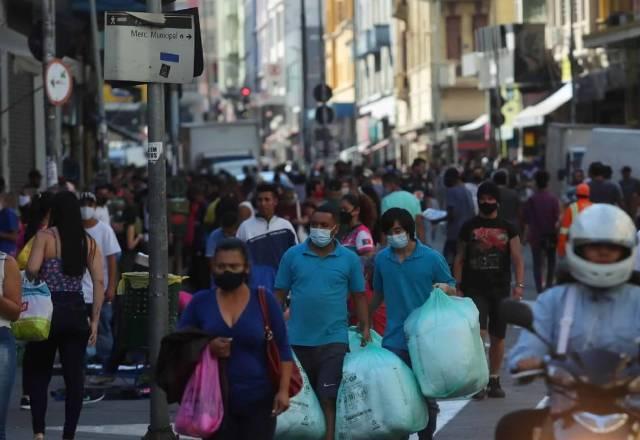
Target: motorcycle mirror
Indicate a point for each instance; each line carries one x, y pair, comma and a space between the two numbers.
517, 313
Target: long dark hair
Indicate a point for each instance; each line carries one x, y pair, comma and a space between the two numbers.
74, 246
41, 205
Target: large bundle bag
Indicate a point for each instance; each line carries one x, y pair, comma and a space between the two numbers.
378, 398
355, 339
446, 349
304, 420
34, 322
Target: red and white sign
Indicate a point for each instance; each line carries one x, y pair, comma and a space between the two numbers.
58, 82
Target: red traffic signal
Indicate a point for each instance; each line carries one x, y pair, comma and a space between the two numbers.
245, 92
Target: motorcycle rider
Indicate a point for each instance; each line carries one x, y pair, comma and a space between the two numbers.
601, 252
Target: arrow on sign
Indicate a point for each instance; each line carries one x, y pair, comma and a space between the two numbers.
188, 37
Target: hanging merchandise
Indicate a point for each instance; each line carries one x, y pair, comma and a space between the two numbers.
447, 370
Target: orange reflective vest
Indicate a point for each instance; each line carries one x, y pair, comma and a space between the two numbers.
569, 215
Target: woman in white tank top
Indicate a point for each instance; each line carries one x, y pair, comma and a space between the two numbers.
10, 306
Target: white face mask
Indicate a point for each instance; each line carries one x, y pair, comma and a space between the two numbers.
87, 212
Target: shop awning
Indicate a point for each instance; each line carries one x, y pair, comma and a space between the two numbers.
534, 115
616, 36
382, 144
477, 124
473, 145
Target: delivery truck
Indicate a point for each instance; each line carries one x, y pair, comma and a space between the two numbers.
212, 147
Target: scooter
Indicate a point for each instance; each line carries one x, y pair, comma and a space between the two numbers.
594, 394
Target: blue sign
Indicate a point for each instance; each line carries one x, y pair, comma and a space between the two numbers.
109, 5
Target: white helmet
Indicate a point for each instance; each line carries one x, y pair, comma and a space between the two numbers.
601, 223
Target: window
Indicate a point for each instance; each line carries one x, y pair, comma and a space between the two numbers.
454, 38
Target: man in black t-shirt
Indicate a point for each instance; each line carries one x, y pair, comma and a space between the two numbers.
487, 248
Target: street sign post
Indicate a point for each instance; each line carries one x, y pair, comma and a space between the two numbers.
145, 47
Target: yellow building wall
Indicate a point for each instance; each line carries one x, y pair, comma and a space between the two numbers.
339, 49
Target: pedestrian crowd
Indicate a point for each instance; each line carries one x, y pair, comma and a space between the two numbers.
300, 257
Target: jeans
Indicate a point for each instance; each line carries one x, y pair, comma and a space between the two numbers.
428, 432
449, 251
69, 335
104, 344
7, 375
539, 253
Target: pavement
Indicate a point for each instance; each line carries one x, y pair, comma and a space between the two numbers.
128, 419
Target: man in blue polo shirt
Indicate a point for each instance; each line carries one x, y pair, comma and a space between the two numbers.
405, 274
320, 274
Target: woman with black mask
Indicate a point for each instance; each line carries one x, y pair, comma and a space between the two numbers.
232, 315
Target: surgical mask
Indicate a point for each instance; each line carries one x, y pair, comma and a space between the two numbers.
398, 241
487, 208
87, 212
345, 190
23, 201
320, 237
229, 280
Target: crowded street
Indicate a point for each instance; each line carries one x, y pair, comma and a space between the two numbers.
319, 219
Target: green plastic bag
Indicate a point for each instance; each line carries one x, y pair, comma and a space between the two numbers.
378, 397
304, 420
446, 349
355, 339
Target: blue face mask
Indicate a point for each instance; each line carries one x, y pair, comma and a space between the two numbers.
320, 237
398, 241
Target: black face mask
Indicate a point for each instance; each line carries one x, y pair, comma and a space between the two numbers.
345, 218
487, 208
229, 280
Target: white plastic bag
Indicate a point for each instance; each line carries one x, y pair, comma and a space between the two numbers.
35, 318
378, 398
304, 420
446, 349
355, 339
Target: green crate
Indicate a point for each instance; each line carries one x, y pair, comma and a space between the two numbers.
134, 319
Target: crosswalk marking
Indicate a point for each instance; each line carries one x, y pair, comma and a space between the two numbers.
448, 410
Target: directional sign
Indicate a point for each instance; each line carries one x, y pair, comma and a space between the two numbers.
149, 47
58, 82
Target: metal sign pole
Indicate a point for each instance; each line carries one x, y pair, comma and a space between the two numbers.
52, 124
103, 155
160, 426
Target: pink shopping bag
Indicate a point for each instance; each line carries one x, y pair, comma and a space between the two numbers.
201, 409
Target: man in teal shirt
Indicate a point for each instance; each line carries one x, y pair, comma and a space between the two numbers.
405, 274
397, 198
320, 274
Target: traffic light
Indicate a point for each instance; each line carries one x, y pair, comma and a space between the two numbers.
324, 114
245, 94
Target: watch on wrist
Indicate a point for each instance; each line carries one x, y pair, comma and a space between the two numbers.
521, 285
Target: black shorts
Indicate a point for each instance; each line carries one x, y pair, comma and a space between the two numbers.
490, 319
323, 365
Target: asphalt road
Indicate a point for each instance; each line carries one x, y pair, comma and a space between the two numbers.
128, 419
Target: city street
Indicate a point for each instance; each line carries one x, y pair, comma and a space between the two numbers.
127, 419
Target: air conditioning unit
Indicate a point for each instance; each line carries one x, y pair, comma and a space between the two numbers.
447, 74
470, 64
401, 86
401, 10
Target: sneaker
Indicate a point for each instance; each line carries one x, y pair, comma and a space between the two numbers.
102, 380
495, 391
92, 396
25, 403
480, 395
